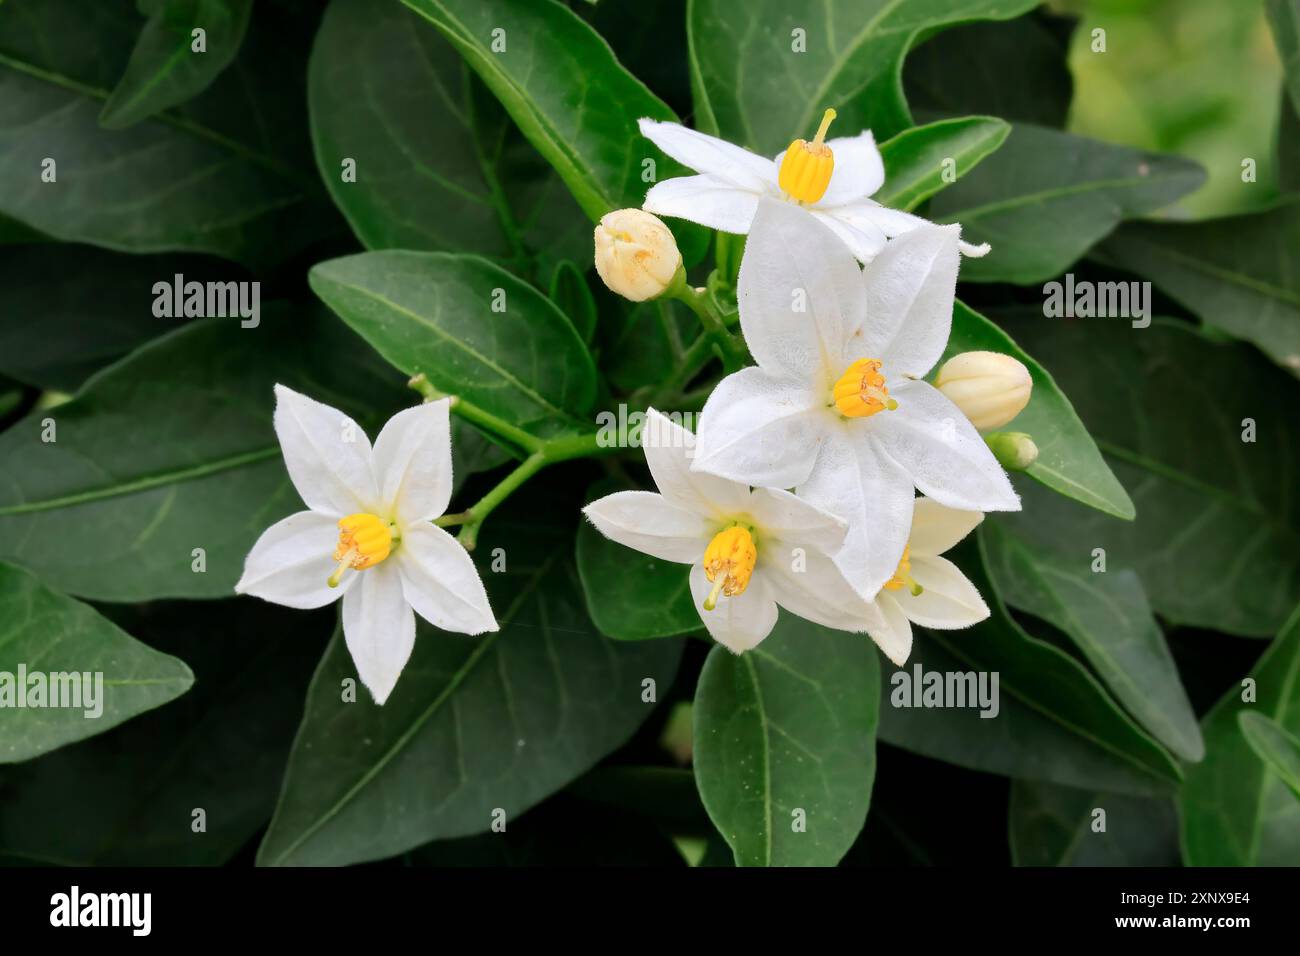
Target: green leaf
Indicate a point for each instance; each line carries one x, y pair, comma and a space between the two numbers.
572, 296
501, 720
754, 86
226, 173
171, 450
573, 100
164, 70
1235, 810
1215, 540
67, 311
950, 75
1284, 19
472, 452
1053, 826
1048, 683
1108, 618
90, 674
1273, 745
1068, 460
1236, 274
1043, 178
439, 165
915, 159
127, 797
632, 596
785, 743
641, 342
472, 328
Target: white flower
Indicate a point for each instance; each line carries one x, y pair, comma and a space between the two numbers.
732, 180
926, 589
749, 550
836, 407
367, 535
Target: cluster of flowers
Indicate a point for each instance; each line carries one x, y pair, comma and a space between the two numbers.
836, 409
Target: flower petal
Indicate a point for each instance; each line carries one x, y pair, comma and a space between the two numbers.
326, 453
893, 634
895, 223
760, 430
855, 480
864, 238
707, 200
647, 522
859, 169
708, 154
946, 458
910, 287
378, 628
799, 290
936, 527
947, 600
810, 585
291, 563
738, 623
440, 581
796, 521
669, 449
412, 462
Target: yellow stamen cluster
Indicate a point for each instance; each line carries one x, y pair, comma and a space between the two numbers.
806, 169
728, 563
364, 541
903, 576
861, 390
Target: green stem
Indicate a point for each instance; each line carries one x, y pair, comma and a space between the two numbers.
734, 353
525, 441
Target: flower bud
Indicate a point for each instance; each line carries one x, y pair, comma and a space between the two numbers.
990, 388
636, 254
1015, 451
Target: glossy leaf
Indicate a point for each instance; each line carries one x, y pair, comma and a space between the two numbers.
1043, 178
165, 69
1052, 825
476, 725
918, 160
90, 675
572, 296
1235, 810
1279, 749
471, 327
785, 743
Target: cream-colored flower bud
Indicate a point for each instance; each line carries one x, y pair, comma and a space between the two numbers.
636, 254
990, 388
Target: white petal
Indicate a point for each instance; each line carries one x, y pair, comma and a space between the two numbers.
738, 623
412, 462
936, 527
854, 480
895, 223
669, 449
291, 562
795, 520
859, 169
894, 634
708, 154
760, 430
947, 600
326, 453
799, 290
862, 237
810, 585
378, 628
707, 200
946, 458
910, 288
646, 522
440, 582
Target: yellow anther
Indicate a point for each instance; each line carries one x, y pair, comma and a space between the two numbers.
728, 563
903, 576
806, 169
861, 390
364, 541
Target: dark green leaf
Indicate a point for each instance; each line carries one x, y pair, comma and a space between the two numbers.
1056, 826
572, 296
916, 160
1272, 744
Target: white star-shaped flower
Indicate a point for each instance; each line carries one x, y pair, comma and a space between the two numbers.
731, 181
367, 535
749, 549
836, 407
